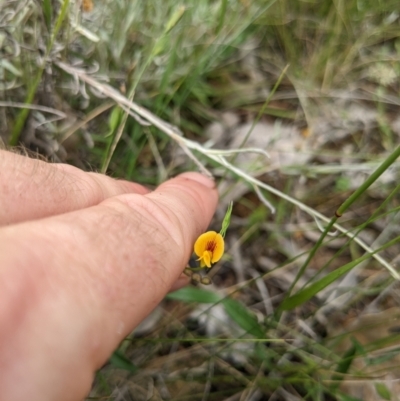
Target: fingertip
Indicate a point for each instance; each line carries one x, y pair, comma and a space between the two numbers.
188, 203
196, 194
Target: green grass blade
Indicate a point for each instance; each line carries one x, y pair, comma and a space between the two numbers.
23, 114
313, 289
222, 13
369, 181
116, 133
238, 312
175, 17
383, 391
119, 360
344, 365
245, 319
47, 13
306, 294
227, 219
310, 256
345, 205
191, 294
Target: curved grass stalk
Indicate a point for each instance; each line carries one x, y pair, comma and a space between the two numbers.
188, 146
229, 152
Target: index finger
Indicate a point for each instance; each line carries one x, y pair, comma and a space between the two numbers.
32, 189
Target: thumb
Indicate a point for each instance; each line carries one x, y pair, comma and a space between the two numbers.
190, 201
163, 226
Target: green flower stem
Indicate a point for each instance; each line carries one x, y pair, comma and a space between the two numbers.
194, 269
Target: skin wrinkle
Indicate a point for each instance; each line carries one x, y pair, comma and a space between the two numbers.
96, 193
155, 238
86, 191
180, 218
150, 207
157, 241
156, 276
119, 220
182, 227
115, 221
38, 175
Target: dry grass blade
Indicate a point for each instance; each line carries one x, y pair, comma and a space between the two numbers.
143, 113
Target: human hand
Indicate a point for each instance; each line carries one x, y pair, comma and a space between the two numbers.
83, 259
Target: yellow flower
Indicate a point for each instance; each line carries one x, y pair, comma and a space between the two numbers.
209, 247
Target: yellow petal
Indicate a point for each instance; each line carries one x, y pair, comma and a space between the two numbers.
201, 243
219, 248
206, 259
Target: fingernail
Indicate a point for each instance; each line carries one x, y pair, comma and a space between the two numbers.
200, 178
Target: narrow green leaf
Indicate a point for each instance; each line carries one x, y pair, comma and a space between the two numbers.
243, 317
306, 294
176, 16
346, 361
159, 46
222, 13
344, 364
60, 19
227, 220
238, 312
191, 294
114, 119
23, 114
47, 13
120, 361
383, 391
369, 181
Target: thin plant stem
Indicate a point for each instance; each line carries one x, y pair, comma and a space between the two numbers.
343, 207
369, 181
23, 114
155, 50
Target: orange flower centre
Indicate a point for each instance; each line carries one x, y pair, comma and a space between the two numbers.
211, 245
